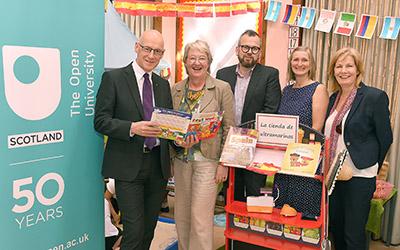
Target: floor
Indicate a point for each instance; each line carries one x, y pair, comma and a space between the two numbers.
378, 245
219, 239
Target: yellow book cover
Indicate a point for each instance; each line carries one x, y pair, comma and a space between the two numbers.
301, 159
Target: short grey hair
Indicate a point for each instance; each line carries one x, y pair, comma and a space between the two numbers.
200, 45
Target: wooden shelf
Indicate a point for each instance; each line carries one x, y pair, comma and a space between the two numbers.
239, 208
266, 241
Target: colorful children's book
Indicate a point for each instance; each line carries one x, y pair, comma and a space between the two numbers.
301, 159
239, 148
266, 161
205, 125
176, 125
263, 168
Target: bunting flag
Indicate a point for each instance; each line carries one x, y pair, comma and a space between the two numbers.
391, 28
345, 24
222, 9
126, 7
367, 26
239, 8
291, 13
186, 10
307, 17
325, 20
273, 10
204, 10
135, 8
166, 9
146, 9
253, 6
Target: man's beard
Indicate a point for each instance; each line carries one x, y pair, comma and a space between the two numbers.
247, 64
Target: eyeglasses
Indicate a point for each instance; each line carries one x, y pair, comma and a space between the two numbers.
338, 128
246, 49
148, 50
201, 59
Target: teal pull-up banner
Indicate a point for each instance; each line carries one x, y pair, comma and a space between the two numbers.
51, 61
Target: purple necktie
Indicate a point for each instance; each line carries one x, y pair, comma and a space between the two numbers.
147, 96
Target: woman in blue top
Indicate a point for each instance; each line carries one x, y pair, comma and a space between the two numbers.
307, 99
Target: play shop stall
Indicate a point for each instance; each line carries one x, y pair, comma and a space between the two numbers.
270, 145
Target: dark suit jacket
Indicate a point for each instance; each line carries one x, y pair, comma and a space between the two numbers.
118, 104
367, 131
263, 93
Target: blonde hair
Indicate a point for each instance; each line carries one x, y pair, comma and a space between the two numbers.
344, 52
311, 72
201, 46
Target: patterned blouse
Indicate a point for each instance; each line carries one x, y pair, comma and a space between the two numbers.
191, 104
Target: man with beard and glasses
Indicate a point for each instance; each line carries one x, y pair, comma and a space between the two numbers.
257, 90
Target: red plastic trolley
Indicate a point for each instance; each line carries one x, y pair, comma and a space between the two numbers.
263, 239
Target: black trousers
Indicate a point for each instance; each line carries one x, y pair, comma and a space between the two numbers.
247, 183
140, 201
110, 241
349, 207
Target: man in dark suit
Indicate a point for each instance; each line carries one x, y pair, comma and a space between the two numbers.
139, 163
257, 90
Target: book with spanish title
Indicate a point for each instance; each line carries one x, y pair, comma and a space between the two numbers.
176, 125
239, 148
301, 159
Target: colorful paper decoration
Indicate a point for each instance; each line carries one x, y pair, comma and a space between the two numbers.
239, 8
186, 10
345, 24
146, 9
367, 26
274, 8
290, 14
325, 20
166, 9
204, 10
391, 28
222, 9
253, 6
307, 17
126, 8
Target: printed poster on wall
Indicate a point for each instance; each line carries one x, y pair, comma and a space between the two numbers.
51, 58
